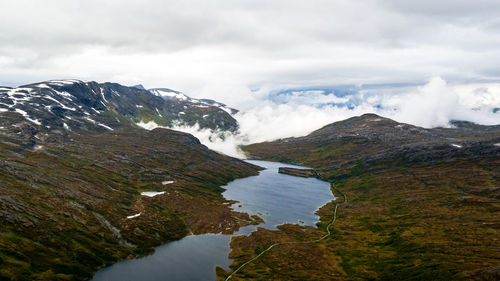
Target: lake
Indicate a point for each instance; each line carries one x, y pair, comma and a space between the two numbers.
277, 198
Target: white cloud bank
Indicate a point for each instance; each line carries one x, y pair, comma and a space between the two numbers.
436, 103
221, 49
432, 105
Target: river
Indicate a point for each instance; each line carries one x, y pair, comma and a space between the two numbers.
275, 197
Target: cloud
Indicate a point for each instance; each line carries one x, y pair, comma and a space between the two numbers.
220, 49
431, 105
223, 142
243, 53
437, 103
434, 104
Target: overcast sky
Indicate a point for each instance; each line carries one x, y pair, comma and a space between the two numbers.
444, 53
224, 49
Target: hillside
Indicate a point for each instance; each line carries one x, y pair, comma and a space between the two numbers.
74, 167
423, 204
63, 105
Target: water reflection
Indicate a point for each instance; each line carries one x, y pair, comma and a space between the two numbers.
277, 198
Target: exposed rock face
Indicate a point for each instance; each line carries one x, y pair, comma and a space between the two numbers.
76, 105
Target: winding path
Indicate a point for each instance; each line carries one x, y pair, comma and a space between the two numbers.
328, 233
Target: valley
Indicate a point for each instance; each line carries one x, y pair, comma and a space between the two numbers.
83, 186
199, 257
423, 204
90, 176
221, 140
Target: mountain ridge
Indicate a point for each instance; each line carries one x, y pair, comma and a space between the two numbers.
423, 204
88, 105
76, 166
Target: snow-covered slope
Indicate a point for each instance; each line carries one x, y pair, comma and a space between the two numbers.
179, 96
86, 105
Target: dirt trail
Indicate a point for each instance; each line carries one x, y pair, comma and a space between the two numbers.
328, 233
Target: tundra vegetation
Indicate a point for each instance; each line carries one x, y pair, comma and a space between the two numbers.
423, 205
64, 203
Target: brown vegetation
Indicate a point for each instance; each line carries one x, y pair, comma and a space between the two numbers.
419, 208
64, 205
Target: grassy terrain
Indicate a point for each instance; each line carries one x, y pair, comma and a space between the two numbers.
64, 201
420, 210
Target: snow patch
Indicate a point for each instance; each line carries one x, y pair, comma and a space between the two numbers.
27, 117
60, 103
167, 182
133, 216
170, 94
103, 97
98, 124
65, 95
63, 82
152, 193
456, 145
69, 81
226, 109
105, 126
44, 86
157, 111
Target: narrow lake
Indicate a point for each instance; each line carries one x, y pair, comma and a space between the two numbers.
275, 197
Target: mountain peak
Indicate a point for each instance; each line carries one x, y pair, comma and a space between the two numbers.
72, 105
139, 86
370, 115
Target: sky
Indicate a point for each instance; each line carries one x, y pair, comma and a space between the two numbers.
275, 60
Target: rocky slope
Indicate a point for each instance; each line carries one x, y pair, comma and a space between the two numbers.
423, 205
73, 168
71, 205
73, 105
371, 137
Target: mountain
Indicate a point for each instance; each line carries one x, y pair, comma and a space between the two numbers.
178, 96
420, 204
74, 166
63, 105
139, 86
371, 136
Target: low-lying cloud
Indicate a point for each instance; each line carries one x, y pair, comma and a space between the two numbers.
434, 104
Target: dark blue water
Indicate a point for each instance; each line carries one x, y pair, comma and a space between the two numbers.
277, 198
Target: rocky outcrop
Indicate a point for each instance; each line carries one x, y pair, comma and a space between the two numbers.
61, 106
304, 173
